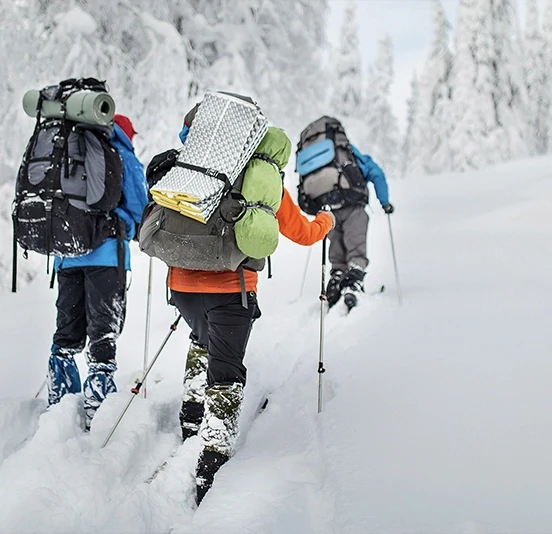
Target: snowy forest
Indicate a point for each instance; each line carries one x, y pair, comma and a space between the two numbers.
482, 97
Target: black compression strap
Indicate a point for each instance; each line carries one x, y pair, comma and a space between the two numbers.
242, 286
266, 158
208, 172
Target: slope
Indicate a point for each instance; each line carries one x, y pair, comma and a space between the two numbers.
435, 414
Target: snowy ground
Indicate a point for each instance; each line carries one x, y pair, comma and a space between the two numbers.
436, 414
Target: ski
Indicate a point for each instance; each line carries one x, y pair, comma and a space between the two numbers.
381, 290
350, 299
161, 467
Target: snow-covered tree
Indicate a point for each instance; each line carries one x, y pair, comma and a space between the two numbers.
429, 148
439, 67
382, 132
510, 94
537, 77
547, 36
347, 83
411, 113
488, 93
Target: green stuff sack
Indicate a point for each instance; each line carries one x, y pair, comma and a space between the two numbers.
257, 230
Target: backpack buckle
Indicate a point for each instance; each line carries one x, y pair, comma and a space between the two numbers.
213, 173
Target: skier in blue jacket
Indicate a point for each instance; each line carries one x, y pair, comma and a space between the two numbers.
92, 293
347, 253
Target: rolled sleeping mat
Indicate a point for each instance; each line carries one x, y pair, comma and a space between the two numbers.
90, 107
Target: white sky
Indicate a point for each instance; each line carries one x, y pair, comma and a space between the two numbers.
410, 25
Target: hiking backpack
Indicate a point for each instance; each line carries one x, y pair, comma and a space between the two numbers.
69, 182
328, 172
242, 231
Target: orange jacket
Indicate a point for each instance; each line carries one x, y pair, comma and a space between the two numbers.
293, 224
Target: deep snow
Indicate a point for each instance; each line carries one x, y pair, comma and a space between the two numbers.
436, 413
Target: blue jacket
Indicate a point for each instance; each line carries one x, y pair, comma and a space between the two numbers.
372, 173
135, 198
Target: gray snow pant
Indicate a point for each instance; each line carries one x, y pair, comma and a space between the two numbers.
348, 238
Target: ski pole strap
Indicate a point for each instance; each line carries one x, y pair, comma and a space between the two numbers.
53, 278
208, 171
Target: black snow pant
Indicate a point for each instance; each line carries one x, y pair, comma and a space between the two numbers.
91, 302
219, 322
348, 238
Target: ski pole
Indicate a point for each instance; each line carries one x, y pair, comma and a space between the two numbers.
136, 389
305, 272
40, 389
148, 317
323, 299
399, 291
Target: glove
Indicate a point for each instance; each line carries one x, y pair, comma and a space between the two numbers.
388, 208
327, 211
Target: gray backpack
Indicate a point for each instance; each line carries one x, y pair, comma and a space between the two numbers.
328, 172
184, 242
68, 184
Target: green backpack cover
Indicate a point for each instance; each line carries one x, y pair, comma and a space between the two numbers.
257, 230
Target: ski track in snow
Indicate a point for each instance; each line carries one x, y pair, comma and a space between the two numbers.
435, 414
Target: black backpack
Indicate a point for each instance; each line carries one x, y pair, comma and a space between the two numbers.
328, 172
68, 184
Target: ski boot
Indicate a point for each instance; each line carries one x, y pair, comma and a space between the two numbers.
63, 374
195, 380
99, 383
351, 285
218, 433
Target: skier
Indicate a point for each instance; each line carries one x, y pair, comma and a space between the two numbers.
334, 173
347, 253
215, 375
92, 295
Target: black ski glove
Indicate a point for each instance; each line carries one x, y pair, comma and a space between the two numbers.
388, 208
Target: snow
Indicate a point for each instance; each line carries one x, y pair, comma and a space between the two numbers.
435, 413
77, 20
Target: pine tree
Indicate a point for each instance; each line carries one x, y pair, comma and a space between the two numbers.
347, 84
439, 67
537, 77
420, 131
382, 131
547, 36
431, 125
510, 95
412, 110
488, 93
